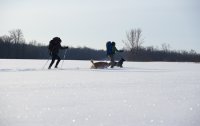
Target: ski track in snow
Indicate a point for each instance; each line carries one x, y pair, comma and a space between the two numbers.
140, 94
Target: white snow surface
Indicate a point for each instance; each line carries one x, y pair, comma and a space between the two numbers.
140, 94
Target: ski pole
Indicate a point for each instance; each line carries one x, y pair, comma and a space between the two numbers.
64, 57
46, 63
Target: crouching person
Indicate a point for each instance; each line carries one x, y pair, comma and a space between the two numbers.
54, 47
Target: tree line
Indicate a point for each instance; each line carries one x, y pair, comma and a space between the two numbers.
9, 50
136, 52
14, 46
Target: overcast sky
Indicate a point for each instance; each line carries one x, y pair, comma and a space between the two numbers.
93, 22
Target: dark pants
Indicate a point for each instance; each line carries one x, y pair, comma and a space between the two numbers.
54, 57
112, 60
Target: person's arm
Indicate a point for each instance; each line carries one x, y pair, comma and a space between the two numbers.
63, 47
118, 50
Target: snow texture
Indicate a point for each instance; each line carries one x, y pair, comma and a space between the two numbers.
140, 94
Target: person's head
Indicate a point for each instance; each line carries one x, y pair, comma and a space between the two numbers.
113, 43
57, 39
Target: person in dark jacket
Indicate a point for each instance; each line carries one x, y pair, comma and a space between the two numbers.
54, 48
111, 55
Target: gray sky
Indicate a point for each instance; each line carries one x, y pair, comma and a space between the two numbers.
93, 22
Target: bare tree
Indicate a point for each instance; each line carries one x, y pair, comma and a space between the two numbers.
134, 39
192, 51
6, 38
165, 47
17, 36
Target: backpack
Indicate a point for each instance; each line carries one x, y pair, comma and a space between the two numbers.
51, 46
109, 48
53, 43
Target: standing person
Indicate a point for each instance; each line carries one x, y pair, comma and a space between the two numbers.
54, 47
111, 50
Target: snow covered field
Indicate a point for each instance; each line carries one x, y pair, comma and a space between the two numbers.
140, 94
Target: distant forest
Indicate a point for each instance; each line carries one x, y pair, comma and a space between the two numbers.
13, 46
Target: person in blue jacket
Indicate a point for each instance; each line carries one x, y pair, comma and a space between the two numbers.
111, 51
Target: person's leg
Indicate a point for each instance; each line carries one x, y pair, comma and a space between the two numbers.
112, 61
58, 60
52, 61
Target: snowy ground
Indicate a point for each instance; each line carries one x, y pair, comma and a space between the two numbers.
140, 94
